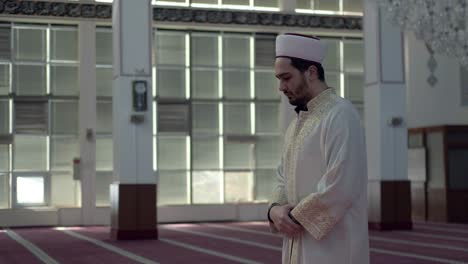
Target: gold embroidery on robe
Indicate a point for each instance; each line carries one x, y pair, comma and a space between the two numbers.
314, 216
297, 132
299, 129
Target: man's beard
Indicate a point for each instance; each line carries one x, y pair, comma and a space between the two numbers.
301, 90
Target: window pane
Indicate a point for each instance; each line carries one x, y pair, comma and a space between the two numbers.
236, 84
30, 44
64, 80
173, 1
172, 152
333, 80
4, 117
458, 166
174, 118
207, 187
329, 5
65, 191
204, 50
5, 43
30, 153
103, 182
172, 188
63, 151
30, 79
360, 110
170, 48
235, 2
31, 117
238, 187
64, 44
353, 57
266, 85
213, 2
238, 155
236, 51
4, 158
265, 182
267, 117
4, 79
65, 117
104, 154
170, 83
30, 190
205, 84
104, 81
332, 57
354, 84
205, 118
104, 47
303, 4
266, 3
267, 152
205, 153
236, 118
353, 5
104, 117
265, 51
4, 190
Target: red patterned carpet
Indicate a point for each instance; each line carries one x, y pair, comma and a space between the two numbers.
223, 243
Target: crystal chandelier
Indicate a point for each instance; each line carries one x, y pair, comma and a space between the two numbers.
442, 24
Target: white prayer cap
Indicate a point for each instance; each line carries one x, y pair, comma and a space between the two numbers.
301, 47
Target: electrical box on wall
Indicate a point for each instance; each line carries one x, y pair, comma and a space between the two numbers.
140, 94
139, 101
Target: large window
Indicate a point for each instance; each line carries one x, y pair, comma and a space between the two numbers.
270, 5
216, 107
338, 7
217, 136
344, 69
39, 107
212, 123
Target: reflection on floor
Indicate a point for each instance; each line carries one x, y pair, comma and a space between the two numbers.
227, 242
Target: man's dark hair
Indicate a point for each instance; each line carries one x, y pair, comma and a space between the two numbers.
302, 65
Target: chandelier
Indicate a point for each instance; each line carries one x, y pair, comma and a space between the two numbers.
441, 24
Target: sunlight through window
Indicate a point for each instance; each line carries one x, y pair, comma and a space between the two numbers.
30, 190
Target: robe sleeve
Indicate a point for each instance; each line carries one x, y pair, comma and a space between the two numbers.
345, 177
279, 193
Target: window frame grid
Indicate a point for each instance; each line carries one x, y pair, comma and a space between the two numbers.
221, 101
48, 97
13, 193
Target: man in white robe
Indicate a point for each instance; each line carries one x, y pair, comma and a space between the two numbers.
320, 202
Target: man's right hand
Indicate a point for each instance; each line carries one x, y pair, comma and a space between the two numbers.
284, 224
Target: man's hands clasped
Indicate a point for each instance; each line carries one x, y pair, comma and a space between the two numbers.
282, 221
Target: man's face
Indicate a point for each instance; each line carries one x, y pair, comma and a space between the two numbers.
292, 81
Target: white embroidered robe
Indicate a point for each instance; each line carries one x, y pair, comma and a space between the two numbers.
323, 173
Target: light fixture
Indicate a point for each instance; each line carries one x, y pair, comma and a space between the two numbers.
441, 24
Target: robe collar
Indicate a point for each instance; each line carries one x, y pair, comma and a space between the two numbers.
322, 98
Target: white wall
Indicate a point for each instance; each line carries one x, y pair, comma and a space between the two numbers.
166, 214
426, 105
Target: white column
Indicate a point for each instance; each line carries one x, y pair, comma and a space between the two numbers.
386, 128
133, 147
385, 96
87, 119
133, 194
